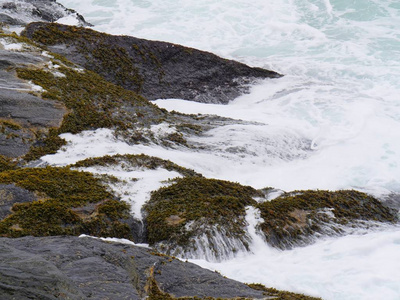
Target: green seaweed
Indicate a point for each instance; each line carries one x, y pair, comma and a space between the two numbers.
68, 203
297, 214
92, 103
105, 58
7, 163
140, 160
209, 201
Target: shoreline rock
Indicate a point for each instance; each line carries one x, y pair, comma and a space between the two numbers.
22, 12
86, 268
151, 68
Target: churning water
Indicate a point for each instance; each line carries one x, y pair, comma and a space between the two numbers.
332, 122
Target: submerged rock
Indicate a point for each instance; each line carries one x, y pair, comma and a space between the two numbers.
151, 68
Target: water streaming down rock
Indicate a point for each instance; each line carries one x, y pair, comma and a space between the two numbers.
214, 245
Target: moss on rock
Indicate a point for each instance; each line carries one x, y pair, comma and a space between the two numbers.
93, 103
292, 217
7, 163
209, 202
135, 161
69, 203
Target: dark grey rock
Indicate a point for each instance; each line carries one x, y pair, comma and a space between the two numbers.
29, 110
6, 19
86, 268
21, 12
32, 113
11, 194
151, 68
186, 279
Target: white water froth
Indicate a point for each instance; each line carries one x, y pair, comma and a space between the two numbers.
342, 66
136, 184
364, 266
115, 240
214, 245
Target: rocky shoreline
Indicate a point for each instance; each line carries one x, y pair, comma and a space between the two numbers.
58, 79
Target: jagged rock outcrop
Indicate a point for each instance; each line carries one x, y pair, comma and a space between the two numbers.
86, 268
151, 68
22, 12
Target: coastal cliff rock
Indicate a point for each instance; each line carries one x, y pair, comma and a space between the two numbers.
92, 80
150, 68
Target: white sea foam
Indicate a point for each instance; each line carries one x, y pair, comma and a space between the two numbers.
135, 184
353, 267
340, 95
115, 240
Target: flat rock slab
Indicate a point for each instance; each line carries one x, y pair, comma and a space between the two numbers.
32, 114
86, 268
151, 68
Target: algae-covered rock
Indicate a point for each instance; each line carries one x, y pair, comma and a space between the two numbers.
296, 218
23, 117
199, 217
92, 102
129, 161
60, 201
151, 68
11, 194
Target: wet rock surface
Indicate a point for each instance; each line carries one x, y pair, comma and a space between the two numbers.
22, 115
86, 268
21, 12
299, 218
151, 68
11, 194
